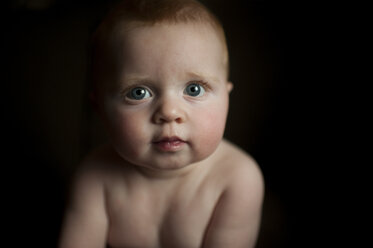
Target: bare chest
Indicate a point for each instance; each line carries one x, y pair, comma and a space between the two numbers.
146, 220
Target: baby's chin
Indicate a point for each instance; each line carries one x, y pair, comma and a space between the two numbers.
158, 162
167, 167
167, 164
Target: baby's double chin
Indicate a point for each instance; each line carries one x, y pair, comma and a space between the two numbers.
175, 169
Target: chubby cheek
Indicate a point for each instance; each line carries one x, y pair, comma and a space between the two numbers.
209, 128
127, 132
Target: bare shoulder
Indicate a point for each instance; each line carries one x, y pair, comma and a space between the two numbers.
87, 182
236, 219
85, 221
243, 179
240, 169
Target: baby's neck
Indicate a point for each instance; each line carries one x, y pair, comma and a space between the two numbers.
169, 174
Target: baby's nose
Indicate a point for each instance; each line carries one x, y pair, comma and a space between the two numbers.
169, 110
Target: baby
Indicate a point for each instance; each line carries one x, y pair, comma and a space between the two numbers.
167, 178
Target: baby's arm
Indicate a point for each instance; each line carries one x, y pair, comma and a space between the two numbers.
236, 219
85, 223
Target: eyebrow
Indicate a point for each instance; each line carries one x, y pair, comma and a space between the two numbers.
200, 75
127, 83
137, 79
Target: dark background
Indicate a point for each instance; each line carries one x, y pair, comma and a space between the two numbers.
284, 57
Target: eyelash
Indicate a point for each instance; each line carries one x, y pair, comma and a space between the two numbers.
205, 85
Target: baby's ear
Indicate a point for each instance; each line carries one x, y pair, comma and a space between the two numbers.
229, 87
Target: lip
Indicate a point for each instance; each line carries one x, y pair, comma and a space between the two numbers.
169, 144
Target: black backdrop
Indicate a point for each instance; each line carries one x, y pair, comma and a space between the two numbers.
283, 56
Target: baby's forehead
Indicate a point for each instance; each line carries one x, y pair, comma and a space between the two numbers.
145, 34
127, 30
182, 42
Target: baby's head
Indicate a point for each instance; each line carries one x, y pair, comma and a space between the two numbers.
133, 14
159, 71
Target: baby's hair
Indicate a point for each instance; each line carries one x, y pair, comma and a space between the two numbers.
154, 11
128, 14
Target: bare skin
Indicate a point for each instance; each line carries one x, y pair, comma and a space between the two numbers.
167, 179
215, 203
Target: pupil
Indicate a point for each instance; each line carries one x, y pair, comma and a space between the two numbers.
194, 90
139, 92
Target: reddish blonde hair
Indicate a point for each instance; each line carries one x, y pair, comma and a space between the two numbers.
133, 13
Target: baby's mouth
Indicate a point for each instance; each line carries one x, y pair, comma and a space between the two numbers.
169, 144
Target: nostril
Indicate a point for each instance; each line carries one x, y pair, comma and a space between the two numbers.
167, 117
179, 120
169, 110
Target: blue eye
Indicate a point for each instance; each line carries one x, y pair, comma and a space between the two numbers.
138, 93
194, 90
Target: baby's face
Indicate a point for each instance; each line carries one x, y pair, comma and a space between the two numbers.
168, 103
